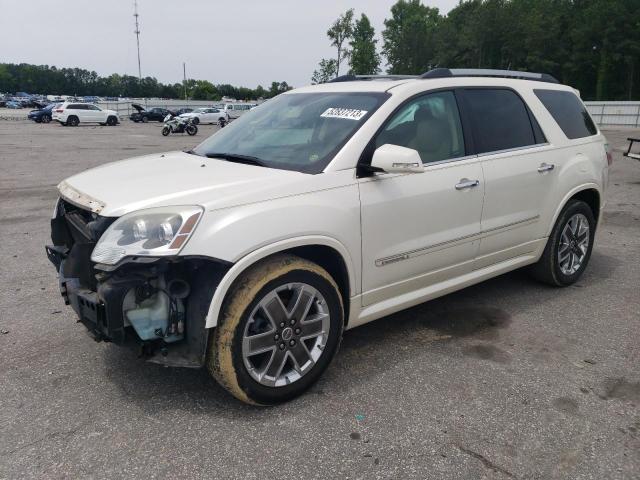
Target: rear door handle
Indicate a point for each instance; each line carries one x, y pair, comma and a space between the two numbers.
546, 167
466, 183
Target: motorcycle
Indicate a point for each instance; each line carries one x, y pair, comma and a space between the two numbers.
178, 125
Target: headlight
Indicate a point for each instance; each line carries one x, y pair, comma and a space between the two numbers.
152, 232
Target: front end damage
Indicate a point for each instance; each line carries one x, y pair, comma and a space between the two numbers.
155, 305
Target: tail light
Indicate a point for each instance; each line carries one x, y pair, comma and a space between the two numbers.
609, 154
60, 110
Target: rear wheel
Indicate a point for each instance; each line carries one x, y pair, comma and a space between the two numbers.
166, 131
191, 129
46, 119
73, 121
569, 247
195, 120
280, 327
111, 121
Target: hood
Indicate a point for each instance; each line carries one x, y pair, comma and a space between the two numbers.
138, 107
177, 178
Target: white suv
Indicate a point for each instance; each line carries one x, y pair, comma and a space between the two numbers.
75, 113
328, 207
206, 115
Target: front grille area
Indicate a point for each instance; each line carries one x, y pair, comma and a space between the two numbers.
78, 230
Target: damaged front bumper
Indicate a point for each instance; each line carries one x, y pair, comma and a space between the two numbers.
156, 305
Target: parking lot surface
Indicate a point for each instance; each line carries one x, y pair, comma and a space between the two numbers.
506, 379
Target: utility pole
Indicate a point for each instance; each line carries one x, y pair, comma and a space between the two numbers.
184, 81
137, 32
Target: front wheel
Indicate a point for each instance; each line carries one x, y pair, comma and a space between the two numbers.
191, 129
166, 131
46, 119
280, 328
569, 246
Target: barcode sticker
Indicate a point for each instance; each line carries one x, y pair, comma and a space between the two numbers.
346, 113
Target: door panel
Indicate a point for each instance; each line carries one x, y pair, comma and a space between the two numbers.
518, 168
516, 204
418, 229
422, 228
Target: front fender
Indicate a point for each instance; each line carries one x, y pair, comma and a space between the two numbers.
245, 234
253, 257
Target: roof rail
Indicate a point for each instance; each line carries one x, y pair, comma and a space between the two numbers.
485, 72
354, 78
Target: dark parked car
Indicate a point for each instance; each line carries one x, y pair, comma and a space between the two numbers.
155, 114
42, 115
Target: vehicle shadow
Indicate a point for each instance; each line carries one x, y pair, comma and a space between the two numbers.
445, 325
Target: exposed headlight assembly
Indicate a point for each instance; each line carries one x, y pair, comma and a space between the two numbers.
152, 232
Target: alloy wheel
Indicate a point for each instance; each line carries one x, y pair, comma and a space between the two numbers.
285, 334
574, 244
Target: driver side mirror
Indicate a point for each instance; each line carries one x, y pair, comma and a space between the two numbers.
396, 159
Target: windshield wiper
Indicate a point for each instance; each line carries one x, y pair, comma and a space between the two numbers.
236, 157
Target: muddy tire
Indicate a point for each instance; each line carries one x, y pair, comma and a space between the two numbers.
569, 247
280, 326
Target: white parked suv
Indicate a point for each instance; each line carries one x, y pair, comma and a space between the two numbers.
206, 115
75, 113
328, 207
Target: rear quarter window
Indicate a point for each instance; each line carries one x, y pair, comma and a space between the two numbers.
568, 112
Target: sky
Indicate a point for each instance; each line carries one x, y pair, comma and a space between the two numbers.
241, 42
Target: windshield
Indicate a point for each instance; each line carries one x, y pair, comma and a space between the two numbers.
298, 131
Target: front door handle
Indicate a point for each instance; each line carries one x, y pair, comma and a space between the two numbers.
466, 183
546, 167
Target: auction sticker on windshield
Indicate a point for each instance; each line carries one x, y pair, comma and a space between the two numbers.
346, 113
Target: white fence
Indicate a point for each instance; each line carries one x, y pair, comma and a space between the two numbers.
124, 108
618, 114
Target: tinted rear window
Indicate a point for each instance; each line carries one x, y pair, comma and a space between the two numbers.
569, 112
501, 120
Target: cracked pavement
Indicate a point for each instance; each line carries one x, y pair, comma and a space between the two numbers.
505, 379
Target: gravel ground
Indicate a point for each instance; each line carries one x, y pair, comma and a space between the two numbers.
506, 379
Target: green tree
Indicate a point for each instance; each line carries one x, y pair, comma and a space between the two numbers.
204, 90
364, 59
409, 37
339, 33
326, 71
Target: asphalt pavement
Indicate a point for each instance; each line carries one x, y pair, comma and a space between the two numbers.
506, 379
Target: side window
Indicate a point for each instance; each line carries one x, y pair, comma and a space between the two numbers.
500, 118
429, 124
92, 107
568, 112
